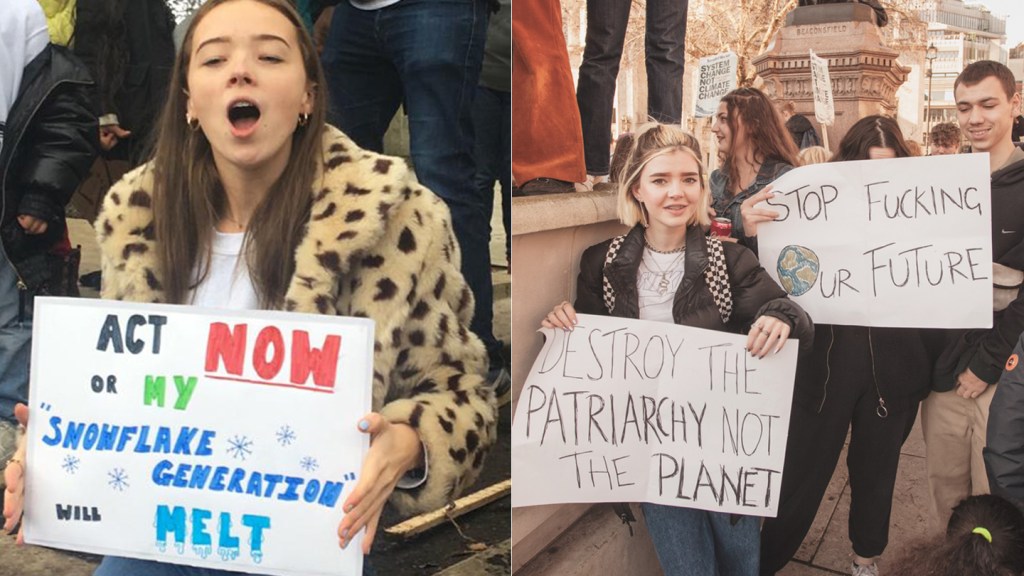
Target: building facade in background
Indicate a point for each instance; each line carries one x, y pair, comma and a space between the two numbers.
962, 33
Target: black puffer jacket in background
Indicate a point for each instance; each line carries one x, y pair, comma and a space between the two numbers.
50, 142
754, 293
1004, 450
985, 351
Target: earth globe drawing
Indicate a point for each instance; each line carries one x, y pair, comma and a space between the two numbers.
798, 269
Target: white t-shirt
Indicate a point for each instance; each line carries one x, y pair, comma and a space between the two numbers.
656, 291
228, 285
23, 35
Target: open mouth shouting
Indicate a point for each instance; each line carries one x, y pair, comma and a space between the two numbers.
243, 115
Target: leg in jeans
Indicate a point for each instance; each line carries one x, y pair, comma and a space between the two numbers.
505, 175
363, 84
492, 122
439, 73
682, 538
873, 458
15, 344
606, 31
428, 52
737, 546
665, 42
945, 422
692, 542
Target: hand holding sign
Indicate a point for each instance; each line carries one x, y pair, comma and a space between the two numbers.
767, 332
562, 316
753, 214
395, 448
620, 410
14, 478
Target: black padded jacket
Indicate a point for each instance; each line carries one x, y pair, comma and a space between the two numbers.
50, 142
754, 293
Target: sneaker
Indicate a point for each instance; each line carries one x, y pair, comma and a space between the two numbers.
8, 445
863, 570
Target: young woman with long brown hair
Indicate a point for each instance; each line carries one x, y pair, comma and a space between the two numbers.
252, 202
756, 149
862, 381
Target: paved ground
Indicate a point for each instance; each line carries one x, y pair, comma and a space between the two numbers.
826, 550
478, 545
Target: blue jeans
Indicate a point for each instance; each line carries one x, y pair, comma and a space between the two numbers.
116, 566
606, 31
15, 342
692, 542
492, 122
425, 54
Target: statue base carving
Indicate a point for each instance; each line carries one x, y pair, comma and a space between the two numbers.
864, 73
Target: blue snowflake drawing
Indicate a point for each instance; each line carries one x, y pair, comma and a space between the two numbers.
309, 464
240, 447
285, 435
118, 479
70, 464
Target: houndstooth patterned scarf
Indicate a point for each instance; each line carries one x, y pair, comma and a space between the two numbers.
715, 275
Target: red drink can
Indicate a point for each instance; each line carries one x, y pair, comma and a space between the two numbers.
721, 227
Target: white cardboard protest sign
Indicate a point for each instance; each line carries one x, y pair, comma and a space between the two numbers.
634, 411
716, 76
824, 106
901, 243
204, 437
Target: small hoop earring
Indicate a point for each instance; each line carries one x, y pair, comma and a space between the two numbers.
193, 123
644, 220
303, 119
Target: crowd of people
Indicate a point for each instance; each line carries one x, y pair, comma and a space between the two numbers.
243, 145
861, 384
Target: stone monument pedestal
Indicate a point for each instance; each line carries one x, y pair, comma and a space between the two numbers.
864, 72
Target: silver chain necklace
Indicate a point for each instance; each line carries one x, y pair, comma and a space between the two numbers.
663, 283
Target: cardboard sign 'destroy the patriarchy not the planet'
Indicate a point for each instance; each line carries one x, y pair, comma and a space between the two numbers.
204, 437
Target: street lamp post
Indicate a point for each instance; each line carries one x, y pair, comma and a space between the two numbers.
930, 56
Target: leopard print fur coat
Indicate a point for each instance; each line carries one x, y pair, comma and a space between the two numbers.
377, 245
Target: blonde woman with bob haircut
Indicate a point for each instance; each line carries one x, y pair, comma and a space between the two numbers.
251, 201
663, 270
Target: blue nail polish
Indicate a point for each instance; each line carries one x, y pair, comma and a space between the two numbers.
344, 533
364, 425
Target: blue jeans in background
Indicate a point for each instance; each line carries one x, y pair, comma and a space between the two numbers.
15, 343
665, 38
492, 123
692, 542
425, 54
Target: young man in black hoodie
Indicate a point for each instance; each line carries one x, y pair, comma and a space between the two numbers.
954, 417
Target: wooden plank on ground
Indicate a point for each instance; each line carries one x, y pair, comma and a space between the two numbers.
428, 520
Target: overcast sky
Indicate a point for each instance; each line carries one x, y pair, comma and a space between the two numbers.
1014, 10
